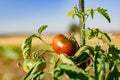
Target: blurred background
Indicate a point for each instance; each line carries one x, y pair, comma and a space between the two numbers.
20, 18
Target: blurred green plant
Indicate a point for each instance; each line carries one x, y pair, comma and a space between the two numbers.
10, 52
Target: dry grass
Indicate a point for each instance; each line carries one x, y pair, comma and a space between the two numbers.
9, 69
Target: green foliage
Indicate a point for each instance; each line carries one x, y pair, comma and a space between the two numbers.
41, 29
104, 13
26, 47
74, 73
114, 74
99, 64
35, 73
9, 53
96, 33
88, 12
76, 67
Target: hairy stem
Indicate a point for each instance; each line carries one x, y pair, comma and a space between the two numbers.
82, 24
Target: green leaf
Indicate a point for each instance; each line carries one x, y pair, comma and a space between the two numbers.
99, 65
106, 37
58, 75
113, 74
26, 46
81, 51
37, 69
66, 59
88, 9
39, 76
104, 13
93, 33
73, 16
41, 29
9, 53
71, 13
92, 13
113, 54
74, 73
84, 33
99, 36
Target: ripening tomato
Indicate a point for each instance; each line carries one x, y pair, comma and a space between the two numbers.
63, 45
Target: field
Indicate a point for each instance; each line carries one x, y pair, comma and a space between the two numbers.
11, 55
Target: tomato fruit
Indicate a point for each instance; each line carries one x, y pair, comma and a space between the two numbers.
63, 45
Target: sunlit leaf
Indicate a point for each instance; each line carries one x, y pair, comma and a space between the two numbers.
26, 46
71, 13
104, 13
74, 72
88, 9
36, 72
41, 29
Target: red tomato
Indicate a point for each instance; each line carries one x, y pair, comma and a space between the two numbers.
62, 45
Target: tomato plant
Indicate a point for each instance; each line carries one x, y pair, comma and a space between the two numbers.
63, 45
70, 60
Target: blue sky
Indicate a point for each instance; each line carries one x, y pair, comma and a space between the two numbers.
26, 16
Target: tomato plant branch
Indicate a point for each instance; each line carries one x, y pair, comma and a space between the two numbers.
48, 45
82, 24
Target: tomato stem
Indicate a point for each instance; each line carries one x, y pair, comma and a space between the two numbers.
82, 23
48, 45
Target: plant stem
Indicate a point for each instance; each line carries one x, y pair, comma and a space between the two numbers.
45, 43
82, 24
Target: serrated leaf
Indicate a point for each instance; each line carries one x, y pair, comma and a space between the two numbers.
41, 29
74, 73
26, 46
71, 13
104, 13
